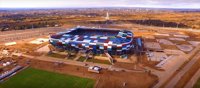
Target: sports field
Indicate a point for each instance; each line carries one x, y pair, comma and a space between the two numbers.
34, 78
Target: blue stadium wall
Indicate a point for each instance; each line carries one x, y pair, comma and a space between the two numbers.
79, 42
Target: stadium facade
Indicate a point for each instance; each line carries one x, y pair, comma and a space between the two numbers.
96, 40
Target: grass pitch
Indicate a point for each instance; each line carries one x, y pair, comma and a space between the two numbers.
34, 78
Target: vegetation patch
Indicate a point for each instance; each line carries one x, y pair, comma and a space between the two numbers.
56, 55
71, 57
99, 61
81, 59
34, 78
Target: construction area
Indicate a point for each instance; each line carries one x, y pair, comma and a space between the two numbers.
164, 55
33, 51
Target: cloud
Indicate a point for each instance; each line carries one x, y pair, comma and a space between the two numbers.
101, 3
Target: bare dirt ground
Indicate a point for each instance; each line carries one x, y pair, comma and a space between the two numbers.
133, 80
26, 34
106, 79
130, 66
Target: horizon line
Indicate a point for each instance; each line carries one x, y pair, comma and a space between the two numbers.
95, 7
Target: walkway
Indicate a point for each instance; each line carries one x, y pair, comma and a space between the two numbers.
178, 76
193, 80
71, 62
179, 60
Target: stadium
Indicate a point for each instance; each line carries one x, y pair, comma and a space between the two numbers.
96, 40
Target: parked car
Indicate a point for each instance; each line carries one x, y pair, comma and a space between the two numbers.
95, 69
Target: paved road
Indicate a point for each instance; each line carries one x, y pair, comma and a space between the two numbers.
170, 28
193, 80
174, 66
178, 76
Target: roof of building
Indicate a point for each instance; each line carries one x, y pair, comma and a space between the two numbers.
87, 37
94, 36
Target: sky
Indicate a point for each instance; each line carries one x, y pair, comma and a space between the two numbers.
99, 3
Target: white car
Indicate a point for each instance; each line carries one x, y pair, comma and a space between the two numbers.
95, 69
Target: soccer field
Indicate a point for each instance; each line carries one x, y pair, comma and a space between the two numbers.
34, 78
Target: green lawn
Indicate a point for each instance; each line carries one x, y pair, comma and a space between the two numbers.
197, 85
34, 78
56, 55
81, 59
71, 58
99, 61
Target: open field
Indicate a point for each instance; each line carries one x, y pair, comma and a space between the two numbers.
34, 78
153, 17
107, 79
8, 36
